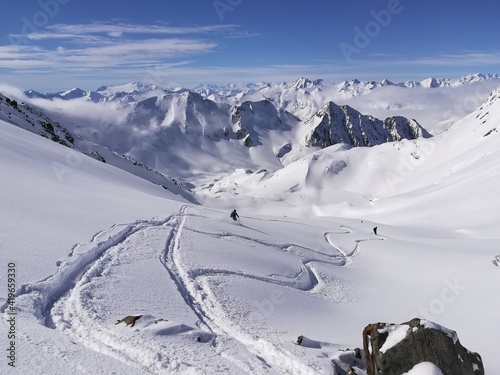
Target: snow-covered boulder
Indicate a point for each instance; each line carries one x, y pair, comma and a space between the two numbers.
394, 349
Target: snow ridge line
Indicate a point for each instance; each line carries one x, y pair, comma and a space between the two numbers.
47, 292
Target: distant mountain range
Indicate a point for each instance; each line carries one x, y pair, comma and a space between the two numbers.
134, 90
156, 131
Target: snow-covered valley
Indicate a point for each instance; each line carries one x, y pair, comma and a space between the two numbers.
93, 242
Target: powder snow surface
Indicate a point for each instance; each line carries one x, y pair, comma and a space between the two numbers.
96, 244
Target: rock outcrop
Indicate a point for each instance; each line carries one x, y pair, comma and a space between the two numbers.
342, 124
251, 118
394, 349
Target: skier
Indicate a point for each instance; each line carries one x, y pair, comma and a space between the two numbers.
234, 215
375, 230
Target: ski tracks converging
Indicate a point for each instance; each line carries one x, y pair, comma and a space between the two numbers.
83, 316
46, 292
155, 345
70, 300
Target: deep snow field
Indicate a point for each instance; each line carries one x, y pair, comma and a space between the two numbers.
92, 244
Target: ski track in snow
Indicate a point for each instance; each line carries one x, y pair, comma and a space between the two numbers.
49, 290
64, 300
195, 290
346, 253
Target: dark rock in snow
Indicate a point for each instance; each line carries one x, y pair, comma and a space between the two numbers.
250, 118
342, 124
394, 349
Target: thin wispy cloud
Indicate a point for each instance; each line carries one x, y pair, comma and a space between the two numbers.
124, 52
79, 32
466, 58
104, 45
227, 41
123, 28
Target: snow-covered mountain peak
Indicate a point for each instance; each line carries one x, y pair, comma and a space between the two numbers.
430, 82
73, 93
335, 124
128, 88
303, 83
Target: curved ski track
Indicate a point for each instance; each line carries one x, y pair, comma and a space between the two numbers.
62, 299
196, 293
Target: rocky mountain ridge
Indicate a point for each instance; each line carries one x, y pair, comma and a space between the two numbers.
34, 120
335, 124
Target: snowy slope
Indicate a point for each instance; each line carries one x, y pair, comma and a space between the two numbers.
343, 180
223, 297
34, 120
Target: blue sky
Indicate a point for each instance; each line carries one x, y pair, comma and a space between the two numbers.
52, 45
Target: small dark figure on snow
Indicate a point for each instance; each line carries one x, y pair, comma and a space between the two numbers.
375, 230
234, 215
129, 320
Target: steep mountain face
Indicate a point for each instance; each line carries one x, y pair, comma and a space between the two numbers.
304, 83
253, 118
342, 124
400, 127
187, 112
31, 118
35, 121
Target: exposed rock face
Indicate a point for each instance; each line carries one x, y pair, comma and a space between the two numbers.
342, 124
35, 121
394, 349
250, 118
